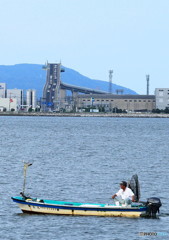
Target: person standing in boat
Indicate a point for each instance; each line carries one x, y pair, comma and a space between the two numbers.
124, 195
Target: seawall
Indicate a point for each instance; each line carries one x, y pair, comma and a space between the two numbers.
124, 115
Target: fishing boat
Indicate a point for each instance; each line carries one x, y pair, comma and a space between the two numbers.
134, 210
34, 205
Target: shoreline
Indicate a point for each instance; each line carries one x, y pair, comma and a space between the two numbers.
117, 115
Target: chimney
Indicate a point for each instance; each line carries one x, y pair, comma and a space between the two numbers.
147, 79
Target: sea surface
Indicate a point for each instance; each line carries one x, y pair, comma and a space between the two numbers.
83, 160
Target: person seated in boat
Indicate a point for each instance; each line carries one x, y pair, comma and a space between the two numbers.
124, 195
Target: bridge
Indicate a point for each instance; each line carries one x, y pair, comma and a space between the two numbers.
54, 93
73, 88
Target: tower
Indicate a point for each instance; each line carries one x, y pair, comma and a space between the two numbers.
31, 99
147, 79
110, 80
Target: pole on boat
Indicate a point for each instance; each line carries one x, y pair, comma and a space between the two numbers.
26, 165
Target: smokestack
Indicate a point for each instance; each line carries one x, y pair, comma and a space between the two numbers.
110, 80
147, 78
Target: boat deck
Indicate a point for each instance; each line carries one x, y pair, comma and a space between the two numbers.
76, 204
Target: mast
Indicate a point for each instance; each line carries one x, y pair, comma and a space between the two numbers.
26, 165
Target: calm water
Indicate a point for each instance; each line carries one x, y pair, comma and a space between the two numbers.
82, 159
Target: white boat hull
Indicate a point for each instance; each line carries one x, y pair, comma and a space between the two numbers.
104, 210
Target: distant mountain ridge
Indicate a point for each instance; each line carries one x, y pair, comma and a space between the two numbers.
31, 76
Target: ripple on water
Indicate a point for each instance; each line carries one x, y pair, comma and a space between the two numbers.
81, 159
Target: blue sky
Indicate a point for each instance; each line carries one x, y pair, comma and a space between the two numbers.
91, 36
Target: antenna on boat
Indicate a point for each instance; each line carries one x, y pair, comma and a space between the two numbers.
26, 165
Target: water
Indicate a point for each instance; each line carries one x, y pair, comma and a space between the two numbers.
82, 159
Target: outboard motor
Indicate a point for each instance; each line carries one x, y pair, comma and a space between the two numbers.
153, 204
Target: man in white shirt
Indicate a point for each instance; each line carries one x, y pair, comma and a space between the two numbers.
124, 195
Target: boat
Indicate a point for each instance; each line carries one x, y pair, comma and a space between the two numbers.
34, 205
134, 210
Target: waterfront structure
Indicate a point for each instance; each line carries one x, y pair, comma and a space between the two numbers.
12, 96
54, 92
162, 98
17, 94
31, 99
129, 103
2, 90
8, 104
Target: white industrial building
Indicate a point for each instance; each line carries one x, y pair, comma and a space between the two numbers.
17, 94
162, 98
2, 90
31, 100
14, 99
8, 104
10, 98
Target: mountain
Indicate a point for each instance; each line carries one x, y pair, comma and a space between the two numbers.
31, 76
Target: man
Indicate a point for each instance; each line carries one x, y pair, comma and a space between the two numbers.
124, 195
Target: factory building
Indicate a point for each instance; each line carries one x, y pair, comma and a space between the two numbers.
8, 104
14, 99
31, 99
10, 99
17, 94
162, 98
129, 103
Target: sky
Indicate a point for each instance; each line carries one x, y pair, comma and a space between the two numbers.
130, 37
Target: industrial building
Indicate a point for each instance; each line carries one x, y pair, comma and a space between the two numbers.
129, 103
31, 99
162, 98
8, 104
17, 94
10, 99
14, 99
